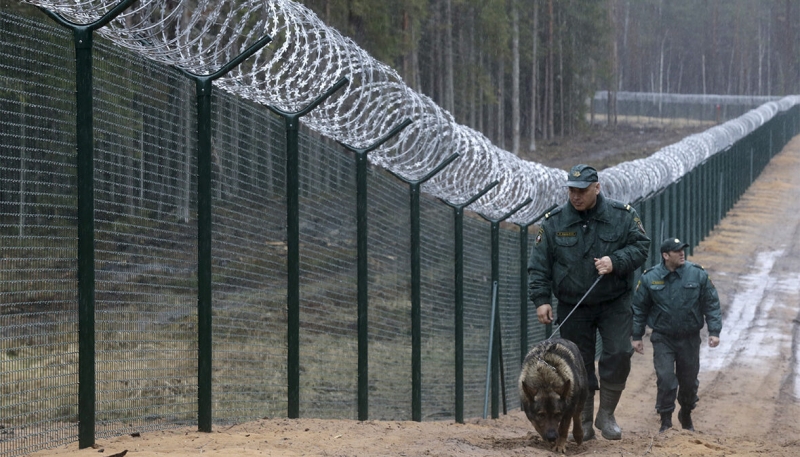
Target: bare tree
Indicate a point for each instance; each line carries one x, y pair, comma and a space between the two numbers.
614, 57
448, 97
501, 97
534, 75
515, 136
549, 87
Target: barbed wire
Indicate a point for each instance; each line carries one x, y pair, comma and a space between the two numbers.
306, 58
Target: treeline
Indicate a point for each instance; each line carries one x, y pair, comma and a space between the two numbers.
522, 70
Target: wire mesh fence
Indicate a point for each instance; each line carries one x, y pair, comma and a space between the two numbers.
673, 110
146, 230
38, 248
145, 246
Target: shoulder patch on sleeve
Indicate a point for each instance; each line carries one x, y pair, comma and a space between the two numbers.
639, 224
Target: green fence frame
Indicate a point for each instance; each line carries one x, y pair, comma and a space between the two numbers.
689, 208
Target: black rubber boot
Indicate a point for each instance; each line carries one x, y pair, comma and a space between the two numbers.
666, 422
685, 418
605, 420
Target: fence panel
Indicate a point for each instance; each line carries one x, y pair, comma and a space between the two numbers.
509, 315
389, 316
328, 304
145, 246
438, 310
249, 258
477, 311
38, 237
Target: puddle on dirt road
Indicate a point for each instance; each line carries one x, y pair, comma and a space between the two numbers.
745, 327
761, 327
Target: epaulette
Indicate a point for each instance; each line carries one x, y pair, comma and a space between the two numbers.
697, 265
620, 205
553, 213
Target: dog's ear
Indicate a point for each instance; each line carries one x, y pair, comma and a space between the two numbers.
530, 391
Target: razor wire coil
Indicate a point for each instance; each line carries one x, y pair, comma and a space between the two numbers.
306, 57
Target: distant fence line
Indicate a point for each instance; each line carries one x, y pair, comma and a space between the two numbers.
210, 261
653, 109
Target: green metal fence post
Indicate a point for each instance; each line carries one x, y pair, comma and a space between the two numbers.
523, 290
86, 272
498, 379
292, 122
523, 284
84, 124
458, 223
681, 210
490, 365
203, 88
416, 292
702, 180
363, 267
669, 211
660, 217
690, 195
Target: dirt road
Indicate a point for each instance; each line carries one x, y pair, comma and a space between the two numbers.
749, 385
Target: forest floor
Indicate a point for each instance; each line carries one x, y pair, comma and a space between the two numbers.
749, 385
602, 146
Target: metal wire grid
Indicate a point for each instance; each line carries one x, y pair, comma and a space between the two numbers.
38, 239
145, 245
536, 331
249, 258
509, 305
477, 311
437, 254
389, 298
328, 302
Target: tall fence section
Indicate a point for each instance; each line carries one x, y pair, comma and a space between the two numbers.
175, 254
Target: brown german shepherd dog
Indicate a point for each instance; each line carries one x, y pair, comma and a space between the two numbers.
553, 389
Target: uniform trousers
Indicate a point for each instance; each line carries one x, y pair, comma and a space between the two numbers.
613, 320
676, 359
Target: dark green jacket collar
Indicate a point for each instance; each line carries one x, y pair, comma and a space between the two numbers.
598, 213
663, 271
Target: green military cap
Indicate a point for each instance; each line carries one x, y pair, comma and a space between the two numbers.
673, 244
581, 176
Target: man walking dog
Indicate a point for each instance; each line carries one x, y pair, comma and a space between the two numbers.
591, 235
675, 299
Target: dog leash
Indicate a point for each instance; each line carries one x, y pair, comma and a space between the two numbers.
575, 307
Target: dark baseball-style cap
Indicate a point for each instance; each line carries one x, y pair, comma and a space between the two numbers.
581, 176
673, 244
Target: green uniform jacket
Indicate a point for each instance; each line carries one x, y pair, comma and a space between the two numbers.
562, 261
676, 302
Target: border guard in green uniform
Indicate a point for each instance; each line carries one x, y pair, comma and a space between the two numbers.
675, 299
591, 235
